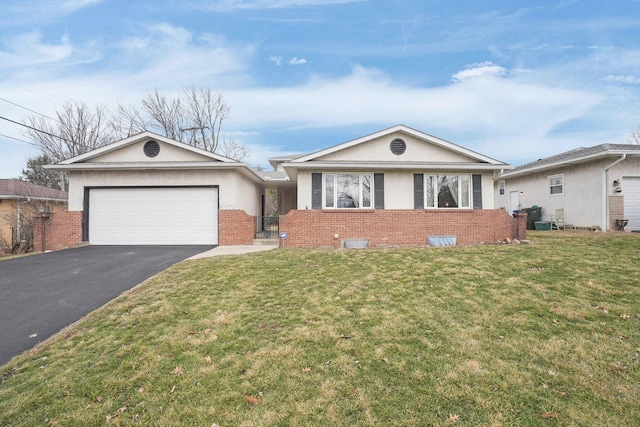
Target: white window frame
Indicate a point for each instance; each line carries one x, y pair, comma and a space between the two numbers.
551, 185
431, 182
334, 175
502, 185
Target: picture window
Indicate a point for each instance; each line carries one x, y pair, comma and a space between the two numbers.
348, 190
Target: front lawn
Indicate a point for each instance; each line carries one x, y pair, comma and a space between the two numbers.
540, 334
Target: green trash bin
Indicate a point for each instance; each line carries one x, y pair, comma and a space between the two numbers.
534, 214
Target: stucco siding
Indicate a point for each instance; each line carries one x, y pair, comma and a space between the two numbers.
232, 195
304, 190
378, 150
135, 153
629, 168
247, 195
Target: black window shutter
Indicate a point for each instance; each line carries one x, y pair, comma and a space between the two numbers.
378, 185
418, 191
477, 191
316, 191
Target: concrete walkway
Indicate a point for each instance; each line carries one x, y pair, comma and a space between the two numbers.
233, 250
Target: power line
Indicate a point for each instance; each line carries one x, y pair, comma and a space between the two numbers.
29, 109
37, 130
20, 140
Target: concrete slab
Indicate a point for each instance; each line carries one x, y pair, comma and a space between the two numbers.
233, 250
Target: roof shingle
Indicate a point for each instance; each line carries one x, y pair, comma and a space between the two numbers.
14, 188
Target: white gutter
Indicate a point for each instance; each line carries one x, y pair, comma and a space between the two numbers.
605, 193
387, 165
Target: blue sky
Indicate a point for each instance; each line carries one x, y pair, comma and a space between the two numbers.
514, 80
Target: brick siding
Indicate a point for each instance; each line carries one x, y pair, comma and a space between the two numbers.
395, 227
61, 230
235, 227
316, 228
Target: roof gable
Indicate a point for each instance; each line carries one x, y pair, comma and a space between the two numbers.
420, 147
132, 150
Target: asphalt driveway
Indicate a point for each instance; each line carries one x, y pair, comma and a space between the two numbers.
41, 294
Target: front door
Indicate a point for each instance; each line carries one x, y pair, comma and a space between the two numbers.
514, 201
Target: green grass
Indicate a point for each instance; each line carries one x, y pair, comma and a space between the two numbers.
540, 334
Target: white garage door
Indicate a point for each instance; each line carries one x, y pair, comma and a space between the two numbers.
153, 216
631, 192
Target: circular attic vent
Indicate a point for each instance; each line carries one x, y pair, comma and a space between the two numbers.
398, 146
151, 148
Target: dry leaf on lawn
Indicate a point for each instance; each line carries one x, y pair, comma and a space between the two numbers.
253, 400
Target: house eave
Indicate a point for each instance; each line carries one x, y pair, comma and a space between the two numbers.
136, 166
40, 199
561, 163
392, 166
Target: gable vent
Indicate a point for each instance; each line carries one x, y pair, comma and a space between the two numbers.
151, 148
398, 146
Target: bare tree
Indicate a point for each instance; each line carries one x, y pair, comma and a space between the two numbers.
207, 111
233, 149
194, 118
166, 116
634, 138
128, 120
77, 130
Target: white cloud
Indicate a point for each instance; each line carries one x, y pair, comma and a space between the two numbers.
297, 61
629, 79
276, 60
28, 49
470, 108
479, 70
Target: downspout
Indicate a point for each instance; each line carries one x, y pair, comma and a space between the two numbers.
605, 193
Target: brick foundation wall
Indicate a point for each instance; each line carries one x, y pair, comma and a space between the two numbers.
61, 230
395, 227
236, 227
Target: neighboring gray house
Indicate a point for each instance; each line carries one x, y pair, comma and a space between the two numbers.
596, 186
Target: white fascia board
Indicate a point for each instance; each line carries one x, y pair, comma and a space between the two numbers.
398, 128
392, 166
243, 167
138, 137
